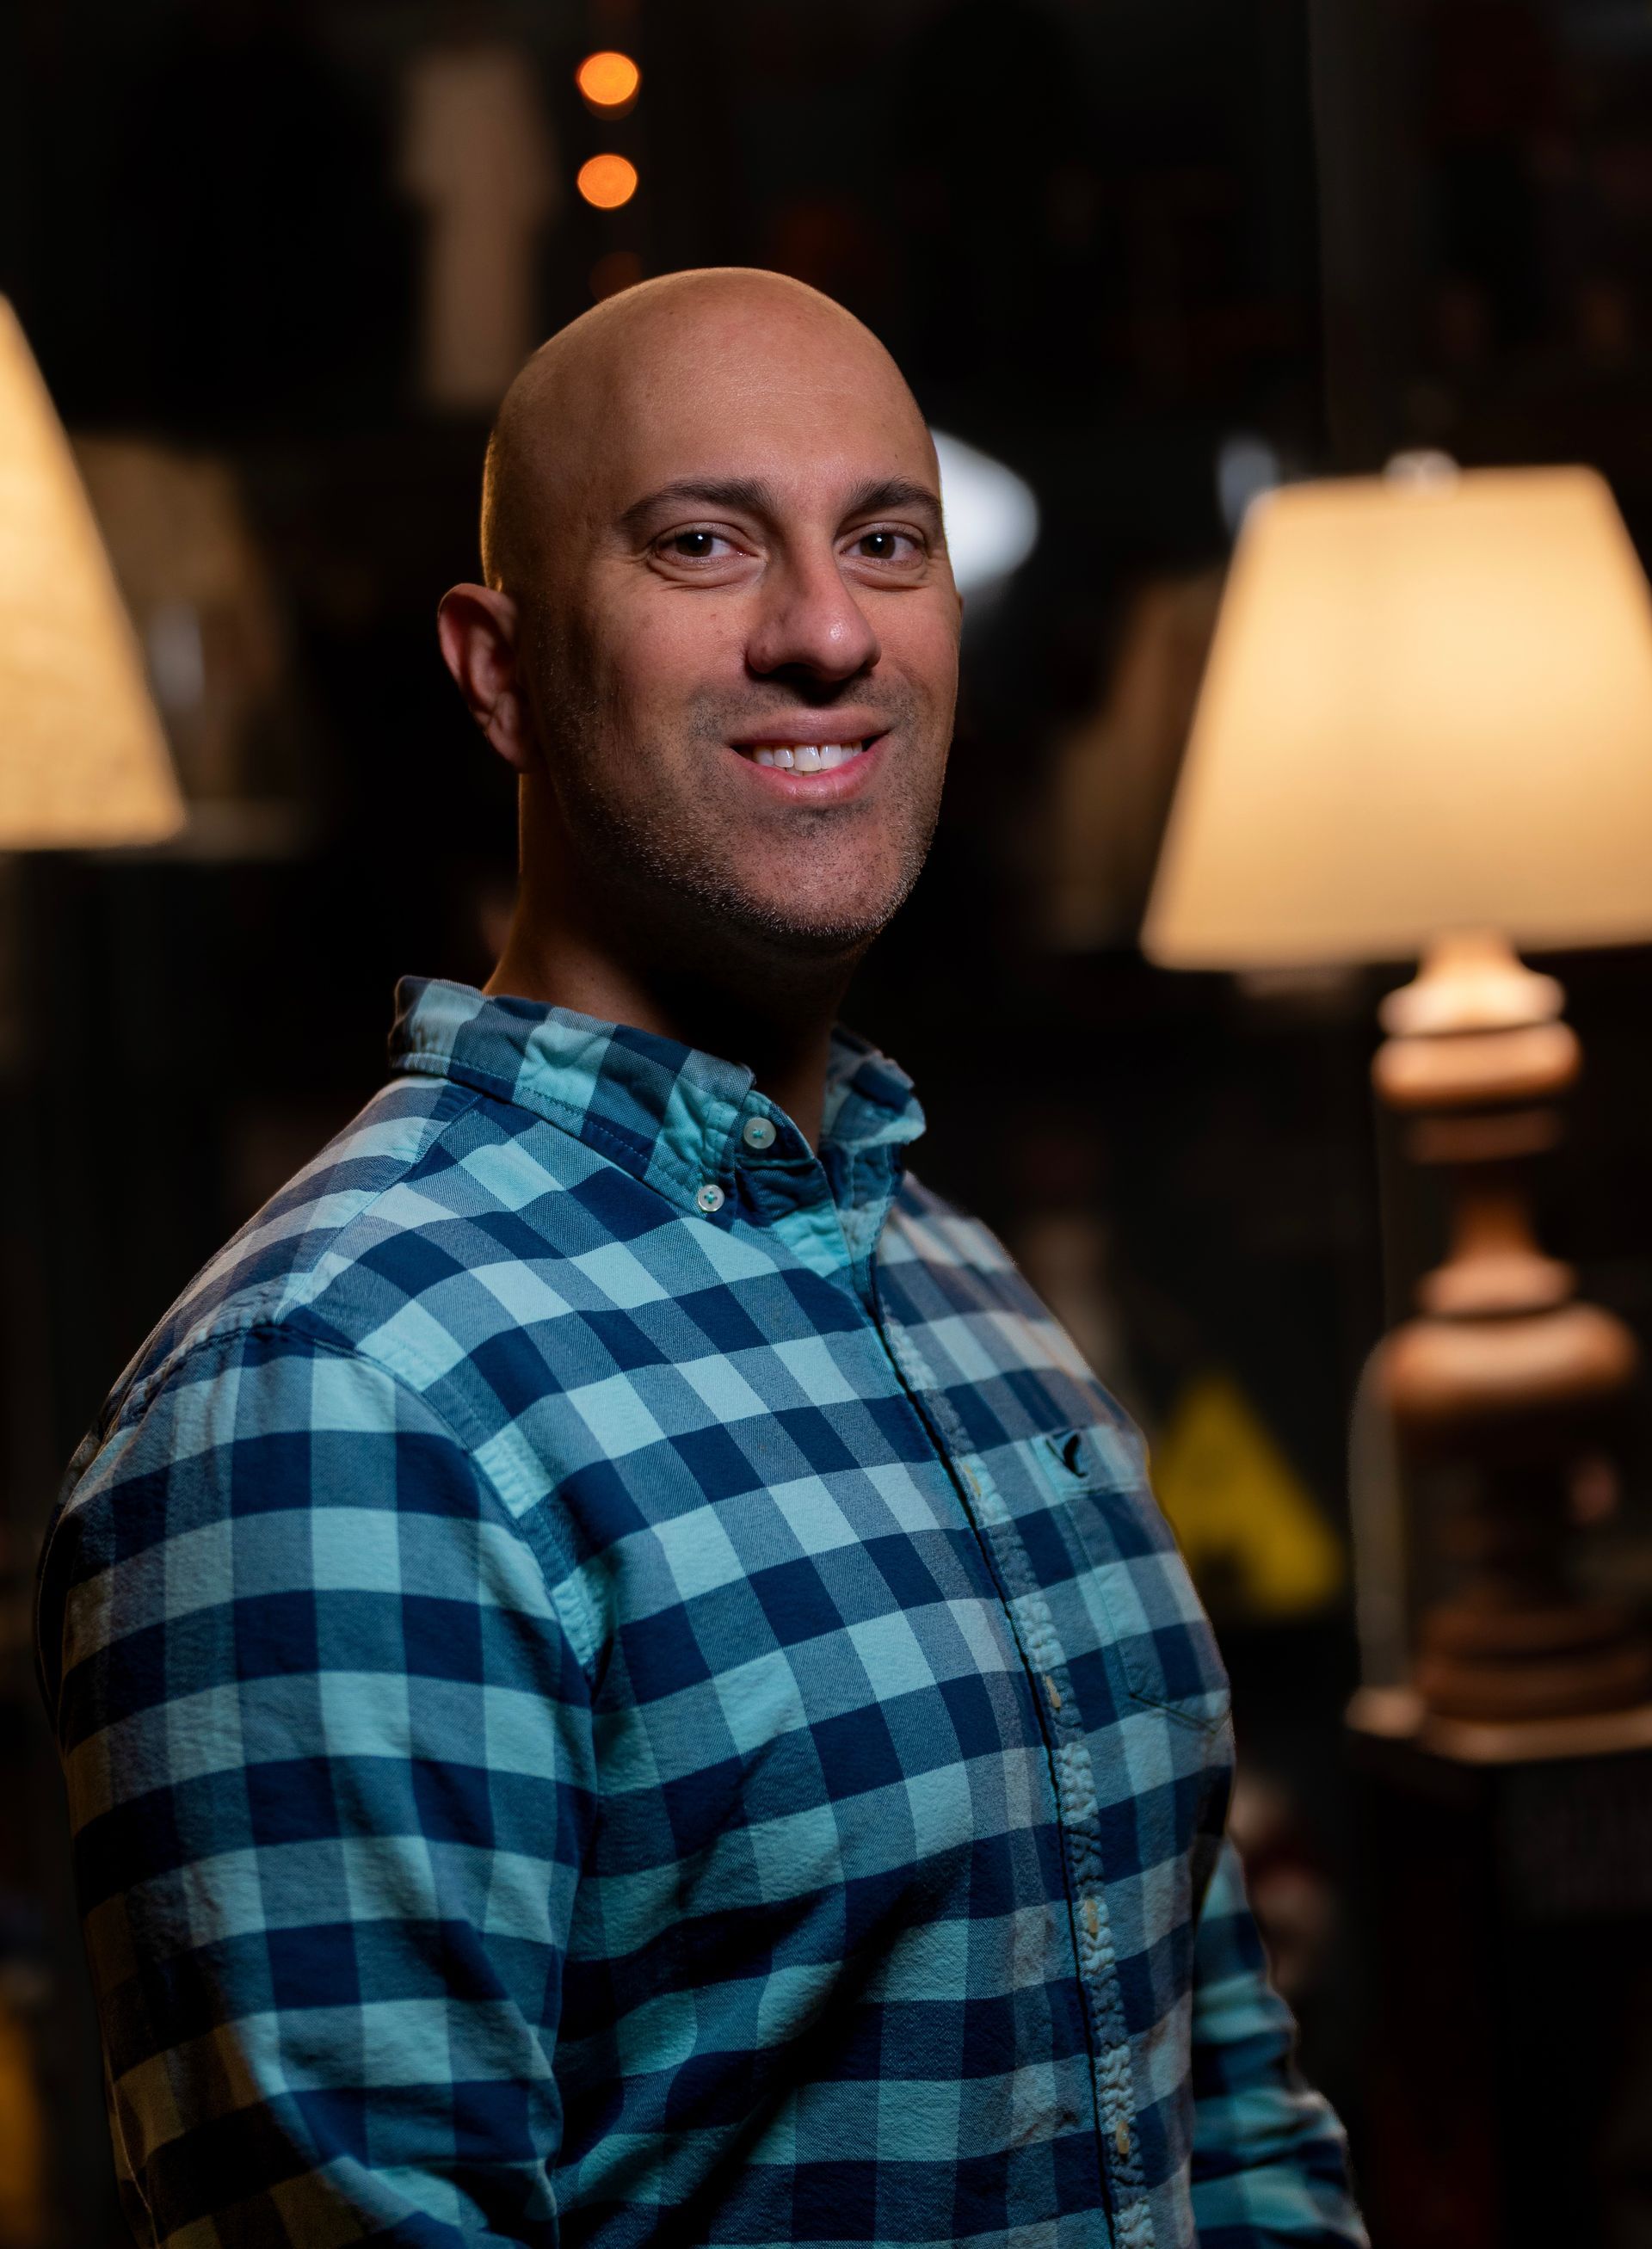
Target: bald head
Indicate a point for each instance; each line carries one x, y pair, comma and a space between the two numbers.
566, 421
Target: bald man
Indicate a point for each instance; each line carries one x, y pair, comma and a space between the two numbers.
619, 1679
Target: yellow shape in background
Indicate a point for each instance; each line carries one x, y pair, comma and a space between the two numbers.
1252, 1535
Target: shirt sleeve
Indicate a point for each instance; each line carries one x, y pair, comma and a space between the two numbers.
329, 1767
1270, 2160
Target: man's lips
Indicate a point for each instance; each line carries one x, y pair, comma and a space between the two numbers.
841, 727
822, 768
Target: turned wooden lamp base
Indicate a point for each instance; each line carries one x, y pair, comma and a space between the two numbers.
1504, 1379
1504, 1668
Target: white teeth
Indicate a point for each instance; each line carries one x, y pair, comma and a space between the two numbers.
806, 756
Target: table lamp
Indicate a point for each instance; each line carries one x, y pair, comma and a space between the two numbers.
1426, 729
83, 759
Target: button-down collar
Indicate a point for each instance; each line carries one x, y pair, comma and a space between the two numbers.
680, 1119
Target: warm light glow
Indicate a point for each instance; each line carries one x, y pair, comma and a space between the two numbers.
83, 760
1427, 706
607, 182
608, 80
621, 269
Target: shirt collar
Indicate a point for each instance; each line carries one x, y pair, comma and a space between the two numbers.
669, 1114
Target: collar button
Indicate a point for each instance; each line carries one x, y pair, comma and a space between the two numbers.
710, 1197
759, 1132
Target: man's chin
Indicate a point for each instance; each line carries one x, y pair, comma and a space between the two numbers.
824, 937
746, 940
805, 918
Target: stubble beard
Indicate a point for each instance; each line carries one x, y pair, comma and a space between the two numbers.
665, 872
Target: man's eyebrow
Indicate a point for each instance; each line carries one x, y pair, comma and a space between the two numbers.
895, 492
751, 496
746, 495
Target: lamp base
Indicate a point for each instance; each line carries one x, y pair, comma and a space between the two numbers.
1506, 1381
1569, 1659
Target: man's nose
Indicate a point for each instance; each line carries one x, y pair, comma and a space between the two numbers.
809, 620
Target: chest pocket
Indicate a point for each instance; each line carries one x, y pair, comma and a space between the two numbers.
1165, 1647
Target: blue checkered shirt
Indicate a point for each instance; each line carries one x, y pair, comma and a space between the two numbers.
620, 1681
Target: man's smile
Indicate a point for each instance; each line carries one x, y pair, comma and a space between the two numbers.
803, 757
823, 771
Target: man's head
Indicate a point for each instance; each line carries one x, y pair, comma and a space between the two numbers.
713, 545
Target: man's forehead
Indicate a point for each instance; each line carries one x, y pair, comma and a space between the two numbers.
762, 404
797, 439
716, 379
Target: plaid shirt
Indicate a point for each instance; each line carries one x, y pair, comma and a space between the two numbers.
620, 1681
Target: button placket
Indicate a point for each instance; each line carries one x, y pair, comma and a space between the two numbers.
1075, 1802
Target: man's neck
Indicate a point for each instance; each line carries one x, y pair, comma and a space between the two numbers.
778, 1028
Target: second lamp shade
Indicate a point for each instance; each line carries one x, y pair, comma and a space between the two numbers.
1427, 706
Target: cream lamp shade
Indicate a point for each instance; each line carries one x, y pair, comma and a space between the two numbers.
1428, 707
83, 760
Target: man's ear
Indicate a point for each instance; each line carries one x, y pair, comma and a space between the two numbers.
476, 628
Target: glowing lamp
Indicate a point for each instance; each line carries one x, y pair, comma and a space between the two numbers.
1426, 727
83, 759
1427, 706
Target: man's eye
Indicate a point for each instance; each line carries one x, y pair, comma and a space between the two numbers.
693, 546
887, 546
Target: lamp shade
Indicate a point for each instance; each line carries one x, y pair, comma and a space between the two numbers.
83, 759
1428, 707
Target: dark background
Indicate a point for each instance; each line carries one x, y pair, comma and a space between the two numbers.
1110, 245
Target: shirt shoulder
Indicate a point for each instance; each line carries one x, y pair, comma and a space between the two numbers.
304, 1367
365, 1228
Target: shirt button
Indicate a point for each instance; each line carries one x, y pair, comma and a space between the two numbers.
1121, 2139
759, 1132
710, 1197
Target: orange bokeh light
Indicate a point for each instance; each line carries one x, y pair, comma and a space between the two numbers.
608, 80
607, 181
621, 269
